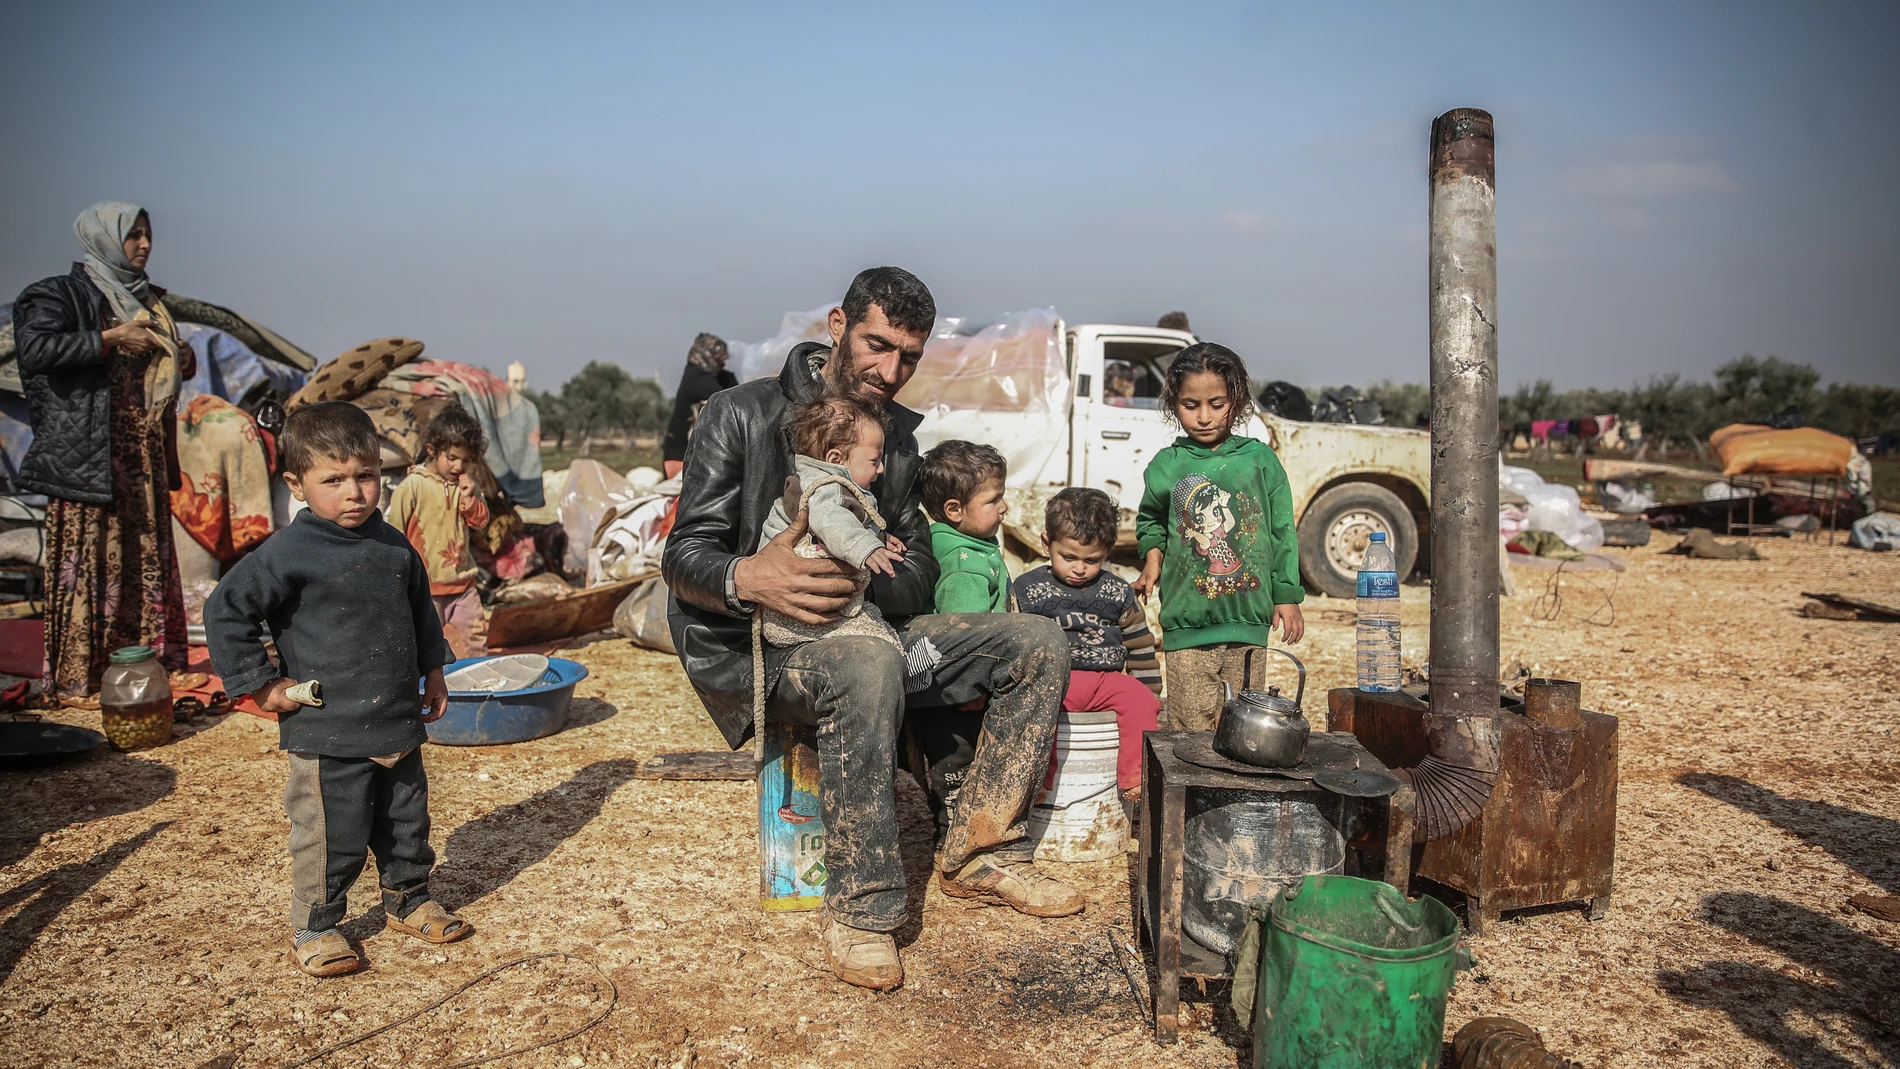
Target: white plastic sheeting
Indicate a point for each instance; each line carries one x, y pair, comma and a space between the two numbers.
593, 489
1002, 381
613, 528
1556, 509
756, 360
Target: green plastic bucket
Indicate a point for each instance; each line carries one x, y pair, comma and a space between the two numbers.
1344, 973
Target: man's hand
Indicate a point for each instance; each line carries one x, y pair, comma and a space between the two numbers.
435, 696
809, 590
895, 545
135, 337
271, 697
881, 560
1292, 624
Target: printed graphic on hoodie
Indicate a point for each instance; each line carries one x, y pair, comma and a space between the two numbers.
1212, 520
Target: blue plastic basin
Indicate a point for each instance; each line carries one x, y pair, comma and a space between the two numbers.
485, 718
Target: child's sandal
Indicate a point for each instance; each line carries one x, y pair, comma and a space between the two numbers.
431, 923
327, 955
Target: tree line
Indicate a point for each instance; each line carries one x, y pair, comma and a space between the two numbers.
1766, 390
601, 401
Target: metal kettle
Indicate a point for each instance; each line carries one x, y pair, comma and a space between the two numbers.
1262, 727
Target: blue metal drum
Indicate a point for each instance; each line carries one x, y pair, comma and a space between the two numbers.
485, 718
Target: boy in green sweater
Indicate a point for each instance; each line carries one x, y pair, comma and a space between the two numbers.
963, 495
1216, 533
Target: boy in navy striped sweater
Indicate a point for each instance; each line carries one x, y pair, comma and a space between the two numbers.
1111, 650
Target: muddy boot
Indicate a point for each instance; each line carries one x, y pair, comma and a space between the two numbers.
1020, 885
859, 957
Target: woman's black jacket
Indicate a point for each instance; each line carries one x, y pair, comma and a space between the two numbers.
58, 330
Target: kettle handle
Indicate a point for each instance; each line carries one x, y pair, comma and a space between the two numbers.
1246, 667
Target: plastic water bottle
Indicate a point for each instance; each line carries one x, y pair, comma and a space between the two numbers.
1379, 618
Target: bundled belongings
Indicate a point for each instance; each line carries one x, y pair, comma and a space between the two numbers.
1543, 544
1701, 544
1557, 509
1347, 405
1745, 448
223, 500
1830, 509
1286, 399
1879, 532
510, 424
353, 374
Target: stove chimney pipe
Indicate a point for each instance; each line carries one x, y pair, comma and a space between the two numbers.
1456, 778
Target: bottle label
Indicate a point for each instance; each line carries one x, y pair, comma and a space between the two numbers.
1378, 584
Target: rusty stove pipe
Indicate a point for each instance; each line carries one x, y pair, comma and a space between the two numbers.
1463, 733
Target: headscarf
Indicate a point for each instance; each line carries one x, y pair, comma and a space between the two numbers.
102, 230
708, 353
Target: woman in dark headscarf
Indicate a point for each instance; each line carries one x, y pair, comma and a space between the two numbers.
102, 363
705, 375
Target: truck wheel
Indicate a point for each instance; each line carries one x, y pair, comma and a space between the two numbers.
1338, 526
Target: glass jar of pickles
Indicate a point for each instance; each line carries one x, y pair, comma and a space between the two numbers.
135, 699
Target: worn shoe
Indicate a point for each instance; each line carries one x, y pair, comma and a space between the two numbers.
327, 955
431, 923
859, 957
1020, 885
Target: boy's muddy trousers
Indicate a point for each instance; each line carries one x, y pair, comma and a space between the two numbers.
852, 690
342, 808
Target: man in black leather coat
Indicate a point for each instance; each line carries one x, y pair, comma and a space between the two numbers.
852, 688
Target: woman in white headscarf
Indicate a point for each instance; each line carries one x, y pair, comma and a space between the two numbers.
102, 362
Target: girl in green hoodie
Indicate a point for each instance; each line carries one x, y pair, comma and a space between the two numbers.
1216, 535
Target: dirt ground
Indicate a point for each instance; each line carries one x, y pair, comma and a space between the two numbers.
142, 896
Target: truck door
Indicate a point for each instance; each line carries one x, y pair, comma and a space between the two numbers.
1124, 425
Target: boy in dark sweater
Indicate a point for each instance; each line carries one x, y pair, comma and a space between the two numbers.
1111, 651
347, 602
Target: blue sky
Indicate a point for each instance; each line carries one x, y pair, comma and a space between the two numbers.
1678, 183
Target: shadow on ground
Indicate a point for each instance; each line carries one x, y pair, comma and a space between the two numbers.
1868, 844
486, 853
40, 801
587, 711
1832, 1009
47, 895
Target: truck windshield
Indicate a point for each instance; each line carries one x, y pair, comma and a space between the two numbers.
1132, 370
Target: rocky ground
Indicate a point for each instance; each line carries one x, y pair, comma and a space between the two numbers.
142, 896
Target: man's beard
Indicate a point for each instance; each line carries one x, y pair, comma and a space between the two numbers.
842, 372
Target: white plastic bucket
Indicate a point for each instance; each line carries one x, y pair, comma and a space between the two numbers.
1080, 818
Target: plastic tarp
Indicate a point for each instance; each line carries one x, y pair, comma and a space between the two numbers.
1877, 529
593, 490
1749, 448
1004, 382
756, 360
614, 531
229, 369
1557, 509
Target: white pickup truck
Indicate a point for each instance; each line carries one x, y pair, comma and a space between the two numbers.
1040, 391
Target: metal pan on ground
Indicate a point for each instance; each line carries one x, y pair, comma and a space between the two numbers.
33, 743
488, 718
